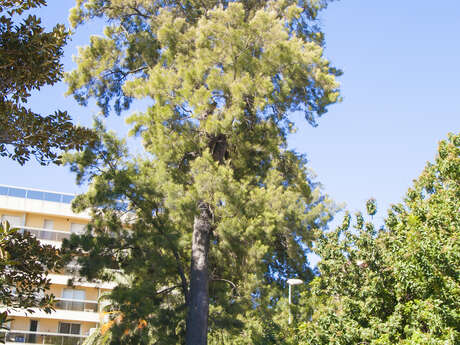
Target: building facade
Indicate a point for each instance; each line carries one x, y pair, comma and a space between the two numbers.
49, 217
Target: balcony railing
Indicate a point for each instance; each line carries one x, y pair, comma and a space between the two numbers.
71, 270
77, 305
36, 194
28, 337
46, 234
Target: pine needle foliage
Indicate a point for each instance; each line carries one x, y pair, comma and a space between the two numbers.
212, 219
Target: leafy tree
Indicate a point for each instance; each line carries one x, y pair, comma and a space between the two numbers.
220, 211
399, 284
24, 265
30, 59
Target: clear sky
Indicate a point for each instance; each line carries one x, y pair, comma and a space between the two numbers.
400, 97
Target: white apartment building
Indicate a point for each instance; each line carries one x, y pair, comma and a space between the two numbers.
49, 217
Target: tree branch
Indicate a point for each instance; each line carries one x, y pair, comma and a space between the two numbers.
169, 289
234, 287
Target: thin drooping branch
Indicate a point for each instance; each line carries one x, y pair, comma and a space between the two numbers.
184, 283
168, 289
139, 13
125, 74
234, 287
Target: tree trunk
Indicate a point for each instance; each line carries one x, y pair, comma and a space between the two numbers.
198, 307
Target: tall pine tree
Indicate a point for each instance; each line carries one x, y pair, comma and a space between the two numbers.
218, 208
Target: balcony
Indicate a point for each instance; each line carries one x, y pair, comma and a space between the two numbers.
76, 305
38, 201
36, 194
28, 337
59, 314
46, 234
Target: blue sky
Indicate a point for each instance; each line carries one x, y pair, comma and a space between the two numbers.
400, 97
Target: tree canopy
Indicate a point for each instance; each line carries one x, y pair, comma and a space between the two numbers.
29, 59
398, 284
218, 211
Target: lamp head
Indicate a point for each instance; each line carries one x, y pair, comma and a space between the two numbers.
294, 281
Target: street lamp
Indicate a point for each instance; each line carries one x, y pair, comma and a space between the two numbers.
293, 281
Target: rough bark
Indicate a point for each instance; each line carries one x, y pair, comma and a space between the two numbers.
198, 308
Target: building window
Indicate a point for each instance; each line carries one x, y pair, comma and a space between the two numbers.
47, 235
77, 229
72, 300
73, 294
15, 221
69, 328
48, 224
33, 328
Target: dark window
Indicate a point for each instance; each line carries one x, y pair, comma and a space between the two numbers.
32, 338
64, 328
69, 328
74, 328
3, 190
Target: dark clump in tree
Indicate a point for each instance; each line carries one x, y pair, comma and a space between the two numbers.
30, 59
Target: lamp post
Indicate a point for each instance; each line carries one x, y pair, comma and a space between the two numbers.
293, 281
